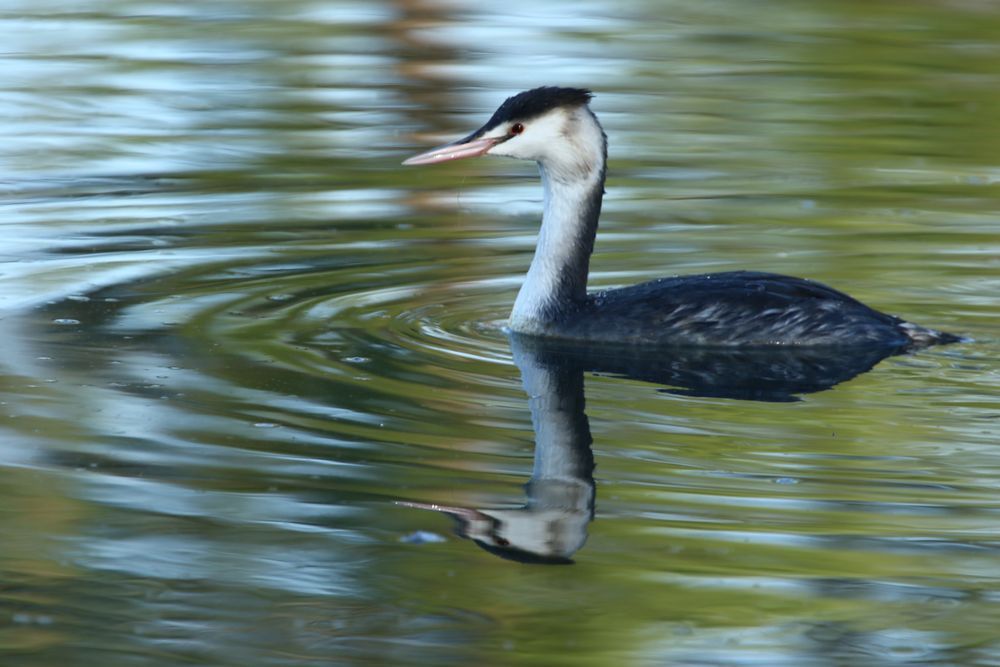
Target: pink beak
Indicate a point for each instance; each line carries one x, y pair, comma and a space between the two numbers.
453, 151
458, 512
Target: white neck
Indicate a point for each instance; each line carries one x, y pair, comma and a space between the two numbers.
573, 186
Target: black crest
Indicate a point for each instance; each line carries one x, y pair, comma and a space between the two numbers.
533, 103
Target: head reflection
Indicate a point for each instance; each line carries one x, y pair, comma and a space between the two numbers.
552, 525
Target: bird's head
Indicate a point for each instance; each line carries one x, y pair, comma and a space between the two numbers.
550, 125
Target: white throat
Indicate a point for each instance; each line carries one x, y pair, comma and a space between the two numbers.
572, 169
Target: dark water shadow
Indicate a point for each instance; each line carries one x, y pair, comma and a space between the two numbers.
773, 374
552, 525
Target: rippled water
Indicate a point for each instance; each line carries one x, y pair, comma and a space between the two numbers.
235, 333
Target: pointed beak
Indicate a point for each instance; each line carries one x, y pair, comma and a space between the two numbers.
454, 151
457, 512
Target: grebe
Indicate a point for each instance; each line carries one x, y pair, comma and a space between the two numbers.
555, 127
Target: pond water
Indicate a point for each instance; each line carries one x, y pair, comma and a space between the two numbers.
242, 347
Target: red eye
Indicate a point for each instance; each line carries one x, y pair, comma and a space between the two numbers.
516, 128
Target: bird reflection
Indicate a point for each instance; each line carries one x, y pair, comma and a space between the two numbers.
552, 525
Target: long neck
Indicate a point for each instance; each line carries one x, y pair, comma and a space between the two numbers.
557, 278
554, 385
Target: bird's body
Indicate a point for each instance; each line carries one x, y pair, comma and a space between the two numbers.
556, 128
737, 308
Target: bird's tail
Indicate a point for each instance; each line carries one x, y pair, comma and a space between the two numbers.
924, 337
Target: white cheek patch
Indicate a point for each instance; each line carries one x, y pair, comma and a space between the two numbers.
537, 140
561, 141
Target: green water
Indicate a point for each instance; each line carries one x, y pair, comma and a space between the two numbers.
234, 332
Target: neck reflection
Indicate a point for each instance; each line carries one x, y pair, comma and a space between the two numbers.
552, 524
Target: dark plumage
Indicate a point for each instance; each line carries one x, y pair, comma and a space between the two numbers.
533, 103
738, 308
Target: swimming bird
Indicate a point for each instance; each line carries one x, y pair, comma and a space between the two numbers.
555, 127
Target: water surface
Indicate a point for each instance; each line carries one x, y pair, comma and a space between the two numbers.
235, 333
